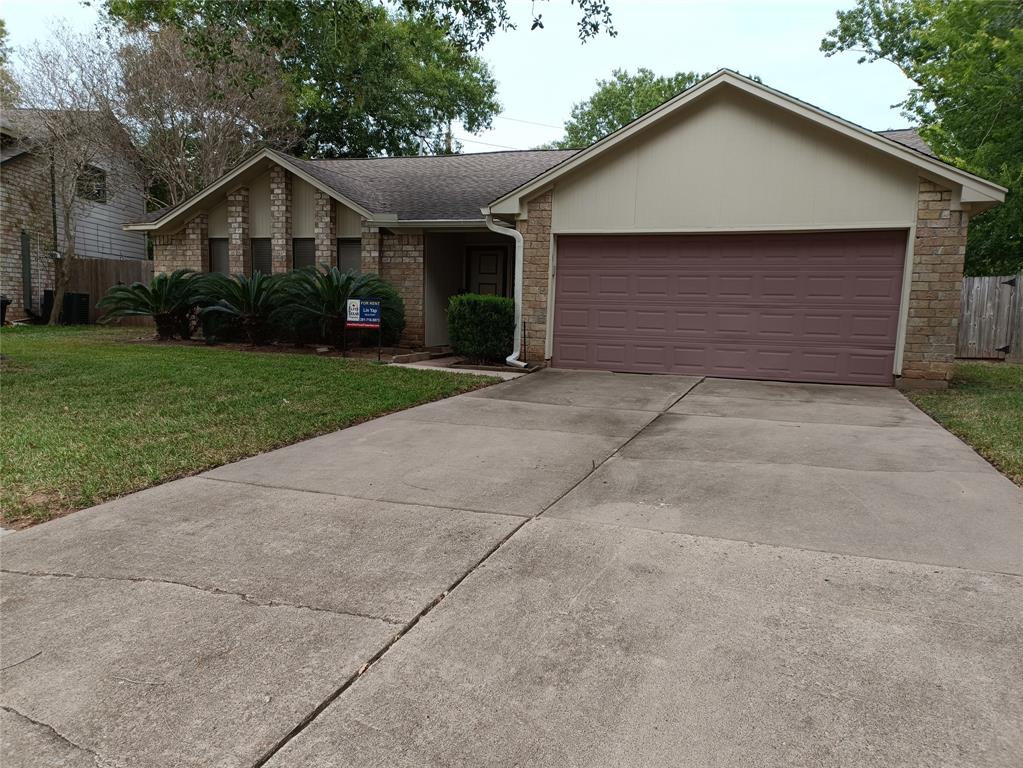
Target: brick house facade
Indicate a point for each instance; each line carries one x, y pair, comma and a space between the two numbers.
849, 272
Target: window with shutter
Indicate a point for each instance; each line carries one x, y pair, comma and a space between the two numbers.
304, 249
349, 255
262, 255
219, 261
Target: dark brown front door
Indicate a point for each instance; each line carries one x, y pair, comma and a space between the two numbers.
487, 270
819, 307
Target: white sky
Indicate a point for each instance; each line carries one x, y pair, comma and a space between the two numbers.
542, 73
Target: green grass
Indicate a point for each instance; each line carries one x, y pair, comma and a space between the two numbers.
89, 414
984, 406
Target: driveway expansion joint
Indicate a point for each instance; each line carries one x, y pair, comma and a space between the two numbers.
100, 761
250, 599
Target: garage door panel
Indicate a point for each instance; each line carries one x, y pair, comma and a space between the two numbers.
803, 307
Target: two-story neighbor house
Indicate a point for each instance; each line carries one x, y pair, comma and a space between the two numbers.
732, 231
30, 236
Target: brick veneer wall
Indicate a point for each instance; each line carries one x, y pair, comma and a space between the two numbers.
238, 248
16, 214
325, 229
370, 249
188, 248
934, 296
280, 219
402, 265
536, 251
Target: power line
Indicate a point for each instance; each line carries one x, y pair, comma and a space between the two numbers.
484, 143
530, 122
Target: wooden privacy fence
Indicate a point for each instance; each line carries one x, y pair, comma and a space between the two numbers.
96, 276
991, 318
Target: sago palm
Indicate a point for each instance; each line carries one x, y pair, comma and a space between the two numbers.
322, 294
169, 299
249, 302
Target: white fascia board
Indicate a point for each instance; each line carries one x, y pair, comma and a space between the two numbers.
183, 208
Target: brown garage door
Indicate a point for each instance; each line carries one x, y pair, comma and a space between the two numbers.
794, 307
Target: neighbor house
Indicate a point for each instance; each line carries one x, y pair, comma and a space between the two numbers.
732, 231
31, 222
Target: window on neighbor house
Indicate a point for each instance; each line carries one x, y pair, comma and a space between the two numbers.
304, 249
92, 184
262, 255
349, 255
219, 261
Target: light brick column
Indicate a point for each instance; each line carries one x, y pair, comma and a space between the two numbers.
280, 219
370, 249
238, 251
401, 265
934, 294
188, 248
536, 259
325, 229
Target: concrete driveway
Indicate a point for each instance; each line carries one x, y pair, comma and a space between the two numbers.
568, 569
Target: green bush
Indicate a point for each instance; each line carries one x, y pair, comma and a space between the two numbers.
481, 328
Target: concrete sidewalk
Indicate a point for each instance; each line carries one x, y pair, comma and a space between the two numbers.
568, 569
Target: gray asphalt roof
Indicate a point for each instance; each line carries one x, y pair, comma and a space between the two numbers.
455, 187
910, 138
434, 187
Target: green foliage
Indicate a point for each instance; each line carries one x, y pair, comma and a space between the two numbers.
481, 328
322, 295
8, 85
367, 78
247, 303
170, 299
965, 58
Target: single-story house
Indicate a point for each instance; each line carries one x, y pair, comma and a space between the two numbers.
732, 231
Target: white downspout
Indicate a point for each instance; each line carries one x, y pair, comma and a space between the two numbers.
512, 232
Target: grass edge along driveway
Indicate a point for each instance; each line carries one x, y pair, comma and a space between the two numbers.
984, 407
89, 414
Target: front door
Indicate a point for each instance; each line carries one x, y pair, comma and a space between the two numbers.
488, 267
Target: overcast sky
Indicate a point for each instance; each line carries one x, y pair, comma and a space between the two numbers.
542, 73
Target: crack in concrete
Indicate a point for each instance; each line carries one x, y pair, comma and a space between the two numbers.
318, 710
99, 760
251, 599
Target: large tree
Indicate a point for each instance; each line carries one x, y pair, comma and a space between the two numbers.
965, 58
8, 86
365, 78
191, 119
63, 85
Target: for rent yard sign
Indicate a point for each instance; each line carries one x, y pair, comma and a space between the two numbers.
363, 313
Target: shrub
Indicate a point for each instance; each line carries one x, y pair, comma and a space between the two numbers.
247, 303
481, 328
322, 295
170, 299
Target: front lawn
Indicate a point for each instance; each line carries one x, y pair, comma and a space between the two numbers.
88, 413
983, 406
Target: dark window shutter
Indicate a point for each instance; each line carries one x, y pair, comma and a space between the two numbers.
304, 249
349, 255
262, 255
219, 261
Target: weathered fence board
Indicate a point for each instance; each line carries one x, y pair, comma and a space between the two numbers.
96, 276
991, 318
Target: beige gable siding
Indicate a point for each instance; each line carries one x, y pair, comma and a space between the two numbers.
259, 207
218, 220
303, 202
349, 223
729, 163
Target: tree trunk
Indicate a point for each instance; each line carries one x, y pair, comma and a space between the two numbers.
62, 267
